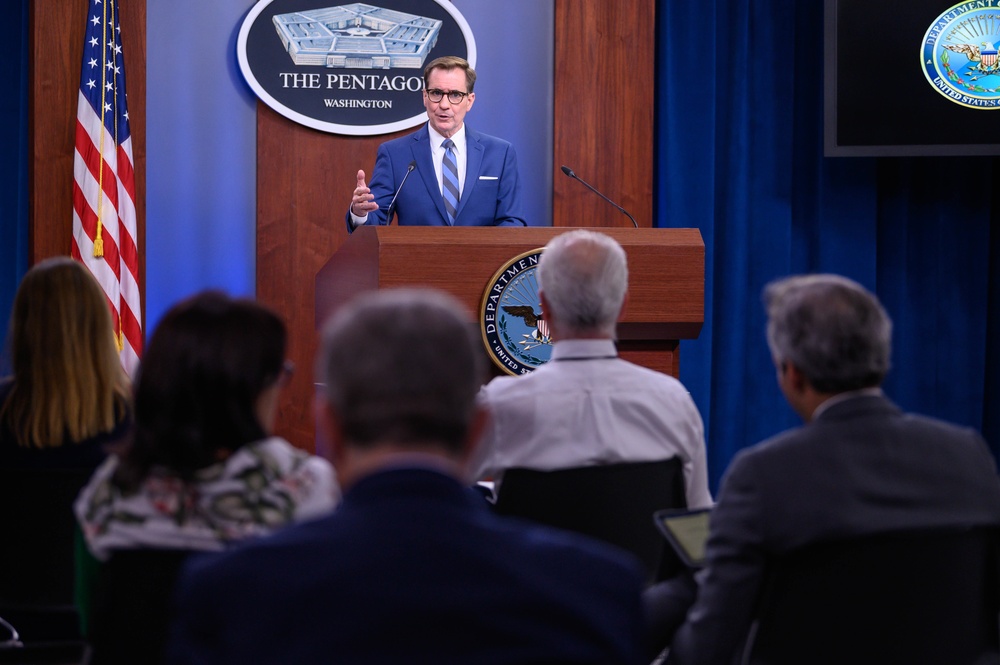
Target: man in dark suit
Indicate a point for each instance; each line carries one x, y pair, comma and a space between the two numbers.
461, 177
858, 466
412, 567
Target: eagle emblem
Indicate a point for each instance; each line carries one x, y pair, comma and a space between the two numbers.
985, 58
540, 334
516, 335
526, 312
959, 58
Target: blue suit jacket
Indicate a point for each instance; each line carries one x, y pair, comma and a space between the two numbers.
411, 568
491, 195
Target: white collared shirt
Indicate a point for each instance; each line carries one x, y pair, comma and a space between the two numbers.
461, 156
587, 406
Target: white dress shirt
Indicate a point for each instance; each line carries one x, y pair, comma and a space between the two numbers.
586, 407
437, 154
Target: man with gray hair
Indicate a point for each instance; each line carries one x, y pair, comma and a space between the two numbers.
412, 566
587, 406
858, 466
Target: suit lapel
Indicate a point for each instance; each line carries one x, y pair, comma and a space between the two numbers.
473, 166
421, 149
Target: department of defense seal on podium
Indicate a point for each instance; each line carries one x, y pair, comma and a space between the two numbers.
514, 331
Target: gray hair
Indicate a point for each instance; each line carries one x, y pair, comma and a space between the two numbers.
584, 275
402, 366
831, 328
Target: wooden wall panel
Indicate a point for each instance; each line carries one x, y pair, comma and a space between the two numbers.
603, 130
304, 183
603, 125
56, 46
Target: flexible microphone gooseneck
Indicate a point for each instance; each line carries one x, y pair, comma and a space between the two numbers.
568, 171
392, 204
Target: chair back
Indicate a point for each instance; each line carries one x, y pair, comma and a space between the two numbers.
929, 597
37, 563
613, 502
37, 550
132, 605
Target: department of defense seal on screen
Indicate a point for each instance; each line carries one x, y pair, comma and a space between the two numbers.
959, 54
515, 333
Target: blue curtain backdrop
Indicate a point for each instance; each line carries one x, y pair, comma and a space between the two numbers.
14, 162
740, 156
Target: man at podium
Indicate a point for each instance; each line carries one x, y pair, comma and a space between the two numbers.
445, 173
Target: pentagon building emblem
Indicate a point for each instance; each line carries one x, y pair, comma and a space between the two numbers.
354, 68
357, 36
515, 334
959, 54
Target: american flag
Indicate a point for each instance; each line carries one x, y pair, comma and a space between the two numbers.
104, 226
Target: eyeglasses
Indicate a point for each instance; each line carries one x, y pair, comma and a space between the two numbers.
454, 96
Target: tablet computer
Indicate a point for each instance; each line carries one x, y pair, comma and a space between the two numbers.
686, 531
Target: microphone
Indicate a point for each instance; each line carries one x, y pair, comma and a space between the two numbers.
568, 171
392, 204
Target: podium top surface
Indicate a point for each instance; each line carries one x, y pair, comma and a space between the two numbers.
666, 269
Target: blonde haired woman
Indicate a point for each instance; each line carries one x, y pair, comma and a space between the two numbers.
68, 398
66, 405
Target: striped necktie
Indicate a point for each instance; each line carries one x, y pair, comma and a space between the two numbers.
449, 180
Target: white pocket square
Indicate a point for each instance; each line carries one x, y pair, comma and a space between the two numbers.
488, 177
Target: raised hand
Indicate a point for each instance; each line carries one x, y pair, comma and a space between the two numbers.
363, 201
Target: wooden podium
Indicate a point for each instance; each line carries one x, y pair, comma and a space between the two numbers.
666, 292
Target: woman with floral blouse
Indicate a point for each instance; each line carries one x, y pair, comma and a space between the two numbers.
202, 471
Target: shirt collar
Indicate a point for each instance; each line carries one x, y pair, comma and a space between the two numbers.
458, 138
569, 349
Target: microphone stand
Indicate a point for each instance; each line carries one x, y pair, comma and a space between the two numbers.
568, 171
392, 204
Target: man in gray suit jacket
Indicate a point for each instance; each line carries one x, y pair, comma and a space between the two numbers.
858, 465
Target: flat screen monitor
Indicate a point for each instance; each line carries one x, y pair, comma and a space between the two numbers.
911, 77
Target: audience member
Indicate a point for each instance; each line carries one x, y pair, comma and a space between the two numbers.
858, 466
587, 406
412, 567
202, 470
67, 402
68, 397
